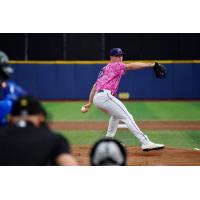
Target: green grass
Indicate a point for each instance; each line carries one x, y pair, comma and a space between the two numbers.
177, 139
70, 111
145, 110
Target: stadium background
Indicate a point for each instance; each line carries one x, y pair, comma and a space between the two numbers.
64, 67
55, 56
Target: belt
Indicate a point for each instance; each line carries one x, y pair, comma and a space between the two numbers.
100, 91
104, 91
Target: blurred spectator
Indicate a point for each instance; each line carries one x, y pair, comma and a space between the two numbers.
108, 152
11, 90
27, 140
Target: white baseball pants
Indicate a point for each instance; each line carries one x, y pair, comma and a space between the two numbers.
118, 112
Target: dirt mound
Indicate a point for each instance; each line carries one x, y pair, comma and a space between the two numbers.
136, 157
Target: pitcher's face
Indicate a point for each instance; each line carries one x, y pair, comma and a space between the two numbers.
117, 58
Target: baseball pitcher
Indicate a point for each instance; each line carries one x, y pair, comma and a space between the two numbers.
103, 95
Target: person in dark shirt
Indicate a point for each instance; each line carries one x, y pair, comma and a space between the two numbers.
28, 141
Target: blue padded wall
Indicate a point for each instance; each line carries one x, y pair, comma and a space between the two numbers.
74, 81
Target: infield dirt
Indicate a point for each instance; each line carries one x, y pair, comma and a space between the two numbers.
136, 157
147, 125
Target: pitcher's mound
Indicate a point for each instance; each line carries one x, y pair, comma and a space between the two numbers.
136, 157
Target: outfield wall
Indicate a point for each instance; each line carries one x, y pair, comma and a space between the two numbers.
70, 80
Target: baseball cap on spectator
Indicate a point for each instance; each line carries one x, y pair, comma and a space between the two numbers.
116, 52
108, 152
27, 105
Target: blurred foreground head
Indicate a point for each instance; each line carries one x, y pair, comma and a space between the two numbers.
28, 108
108, 152
5, 70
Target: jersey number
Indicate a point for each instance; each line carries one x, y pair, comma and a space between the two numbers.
101, 72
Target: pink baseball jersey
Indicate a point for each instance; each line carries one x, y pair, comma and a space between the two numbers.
110, 76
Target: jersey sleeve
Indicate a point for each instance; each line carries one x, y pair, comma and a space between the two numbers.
120, 68
13, 91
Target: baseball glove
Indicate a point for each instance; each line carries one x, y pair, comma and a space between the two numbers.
159, 70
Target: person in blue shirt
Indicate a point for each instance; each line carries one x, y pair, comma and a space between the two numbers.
11, 91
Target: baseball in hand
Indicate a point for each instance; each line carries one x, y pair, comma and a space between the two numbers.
84, 109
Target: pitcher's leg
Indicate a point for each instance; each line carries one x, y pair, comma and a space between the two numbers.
112, 127
118, 110
134, 129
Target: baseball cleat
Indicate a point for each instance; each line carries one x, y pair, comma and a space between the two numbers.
123, 144
152, 146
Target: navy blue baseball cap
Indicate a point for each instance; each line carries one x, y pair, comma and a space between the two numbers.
116, 52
